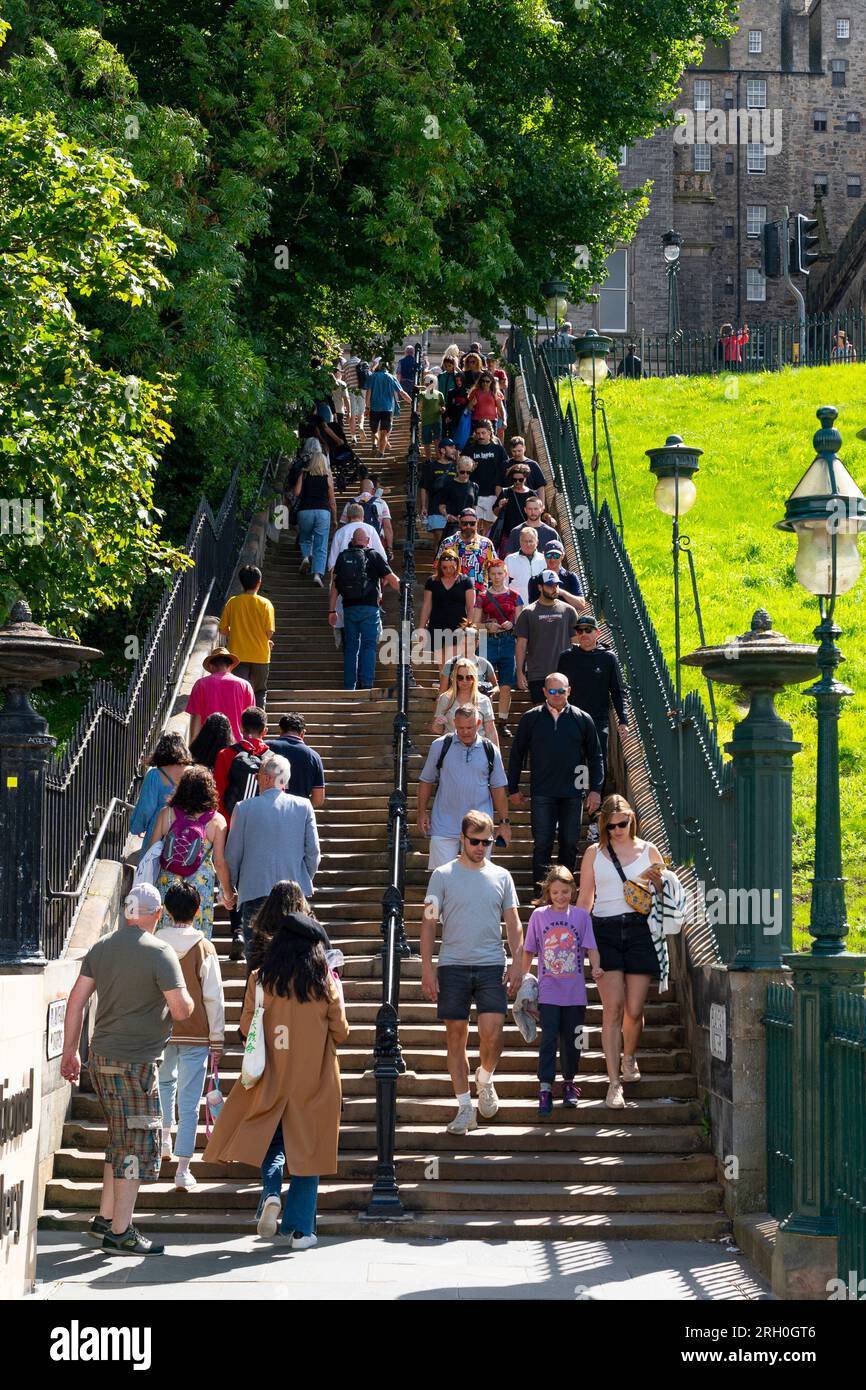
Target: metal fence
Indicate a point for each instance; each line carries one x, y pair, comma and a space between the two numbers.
692, 781
848, 1067
92, 786
762, 347
779, 1024
385, 1200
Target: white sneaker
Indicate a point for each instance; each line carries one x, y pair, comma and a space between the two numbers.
185, 1182
166, 1147
317, 579
463, 1121
269, 1219
615, 1098
488, 1100
305, 565
303, 1242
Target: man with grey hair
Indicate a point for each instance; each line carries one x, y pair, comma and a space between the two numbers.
343, 536
140, 993
273, 836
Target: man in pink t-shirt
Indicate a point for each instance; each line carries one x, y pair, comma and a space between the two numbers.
219, 693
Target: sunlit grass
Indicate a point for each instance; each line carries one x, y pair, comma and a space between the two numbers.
757, 443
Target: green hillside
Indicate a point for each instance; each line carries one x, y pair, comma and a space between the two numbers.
756, 432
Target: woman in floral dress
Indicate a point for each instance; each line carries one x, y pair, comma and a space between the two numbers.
195, 803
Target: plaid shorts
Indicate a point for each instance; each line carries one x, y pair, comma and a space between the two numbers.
129, 1095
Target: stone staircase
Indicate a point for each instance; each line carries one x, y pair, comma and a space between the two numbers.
643, 1172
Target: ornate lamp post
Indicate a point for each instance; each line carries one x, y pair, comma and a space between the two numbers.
591, 351
671, 245
555, 295
826, 511
28, 656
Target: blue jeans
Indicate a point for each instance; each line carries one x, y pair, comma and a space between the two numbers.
546, 814
248, 912
299, 1209
362, 626
182, 1075
500, 654
313, 528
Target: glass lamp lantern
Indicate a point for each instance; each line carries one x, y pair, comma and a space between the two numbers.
673, 466
555, 294
592, 350
671, 244
826, 511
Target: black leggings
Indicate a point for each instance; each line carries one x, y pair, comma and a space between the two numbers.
561, 1026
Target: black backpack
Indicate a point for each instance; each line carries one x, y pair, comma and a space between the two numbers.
242, 783
363, 370
350, 574
371, 516
488, 748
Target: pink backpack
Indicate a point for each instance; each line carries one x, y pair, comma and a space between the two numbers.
183, 846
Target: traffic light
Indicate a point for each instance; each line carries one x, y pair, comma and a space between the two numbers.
772, 259
805, 237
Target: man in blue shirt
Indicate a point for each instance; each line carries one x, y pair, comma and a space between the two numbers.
383, 390
308, 774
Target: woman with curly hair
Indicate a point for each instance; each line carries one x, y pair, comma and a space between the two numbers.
167, 763
193, 833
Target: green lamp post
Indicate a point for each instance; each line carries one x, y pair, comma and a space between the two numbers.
591, 353
555, 296
826, 511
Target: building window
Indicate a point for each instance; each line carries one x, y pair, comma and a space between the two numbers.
756, 285
819, 120
756, 159
819, 184
853, 185
729, 98
703, 94
756, 40
613, 296
622, 159
729, 163
756, 216
837, 68
729, 230
843, 28
756, 94
729, 284
852, 122
702, 161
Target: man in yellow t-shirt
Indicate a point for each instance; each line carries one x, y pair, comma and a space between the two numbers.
247, 627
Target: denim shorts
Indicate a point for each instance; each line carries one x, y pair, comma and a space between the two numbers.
430, 433
500, 654
460, 985
624, 943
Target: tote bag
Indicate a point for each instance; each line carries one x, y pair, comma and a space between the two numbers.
253, 1066
464, 428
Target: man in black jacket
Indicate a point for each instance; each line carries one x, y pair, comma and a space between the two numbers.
595, 678
565, 763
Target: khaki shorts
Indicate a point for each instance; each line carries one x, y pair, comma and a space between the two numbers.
129, 1095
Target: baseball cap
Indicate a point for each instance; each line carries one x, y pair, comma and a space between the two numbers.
549, 577
554, 548
142, 899
587, 620
446, 444
469, 511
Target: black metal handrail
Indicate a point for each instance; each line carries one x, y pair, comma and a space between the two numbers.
385, 1203
91, 786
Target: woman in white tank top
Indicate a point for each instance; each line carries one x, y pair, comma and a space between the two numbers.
628, 956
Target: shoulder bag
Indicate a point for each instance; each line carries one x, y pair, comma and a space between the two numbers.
253, 1066
638, 897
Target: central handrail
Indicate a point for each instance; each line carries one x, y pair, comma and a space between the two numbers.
385, 1203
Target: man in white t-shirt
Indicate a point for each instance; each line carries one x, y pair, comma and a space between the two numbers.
367, 498
470, 897
525, 563
343, 537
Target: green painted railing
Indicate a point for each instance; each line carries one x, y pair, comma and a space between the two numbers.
779, 1024
848, 1064
699, 813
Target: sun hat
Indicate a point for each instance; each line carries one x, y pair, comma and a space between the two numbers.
217, 653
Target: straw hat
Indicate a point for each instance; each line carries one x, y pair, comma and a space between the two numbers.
220, 652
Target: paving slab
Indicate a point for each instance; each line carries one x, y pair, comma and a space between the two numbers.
71, 1267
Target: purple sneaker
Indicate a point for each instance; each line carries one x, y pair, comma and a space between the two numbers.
545, 1102
570, 1093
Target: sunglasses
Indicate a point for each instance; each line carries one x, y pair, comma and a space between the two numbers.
463, 474
556, 690
473, 841
463, 678
617, 824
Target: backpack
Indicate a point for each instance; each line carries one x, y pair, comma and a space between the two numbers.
364, 374
371, 516
350, 574
242, 783
488, 749
184, 845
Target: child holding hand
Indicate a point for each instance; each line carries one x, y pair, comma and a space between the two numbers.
559, 933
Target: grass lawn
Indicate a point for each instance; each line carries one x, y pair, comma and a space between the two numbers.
756, 447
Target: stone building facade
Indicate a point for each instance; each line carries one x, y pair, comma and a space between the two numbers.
775, 117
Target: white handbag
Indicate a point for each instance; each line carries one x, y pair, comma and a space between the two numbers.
148, 866
253, 1066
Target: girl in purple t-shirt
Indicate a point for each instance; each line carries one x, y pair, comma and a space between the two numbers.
559, 933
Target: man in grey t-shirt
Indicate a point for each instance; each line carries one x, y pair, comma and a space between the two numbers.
466, 781
470, 897
141, 991
538, 628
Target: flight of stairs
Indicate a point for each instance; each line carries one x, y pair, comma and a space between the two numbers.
646, 1171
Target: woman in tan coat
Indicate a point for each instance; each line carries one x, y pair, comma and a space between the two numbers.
291, 1117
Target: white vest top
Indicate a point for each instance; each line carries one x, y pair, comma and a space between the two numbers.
609, 900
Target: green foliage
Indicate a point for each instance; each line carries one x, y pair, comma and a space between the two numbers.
756, 447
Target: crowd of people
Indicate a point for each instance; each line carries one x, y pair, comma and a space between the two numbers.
228, 815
